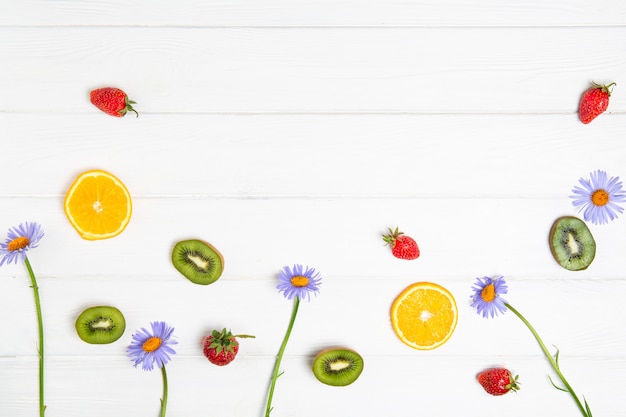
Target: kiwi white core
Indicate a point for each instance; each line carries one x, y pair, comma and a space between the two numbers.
101, 324
572, 244
199, 261
339, 365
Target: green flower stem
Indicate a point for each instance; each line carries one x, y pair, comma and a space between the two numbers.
33, 280
552, 361
275, 374
164, 399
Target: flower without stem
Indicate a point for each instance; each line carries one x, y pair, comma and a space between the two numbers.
486, 297
598, 197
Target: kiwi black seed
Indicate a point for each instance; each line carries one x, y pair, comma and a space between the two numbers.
198, 261
100, 325
338, 366
571, 243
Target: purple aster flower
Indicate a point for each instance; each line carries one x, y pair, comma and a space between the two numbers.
298, 282
149, 348
486, 297
598, 197
20, 240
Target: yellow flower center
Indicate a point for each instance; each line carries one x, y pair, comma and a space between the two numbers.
299, 281
151, 344
488, 294
600, 198
18, 243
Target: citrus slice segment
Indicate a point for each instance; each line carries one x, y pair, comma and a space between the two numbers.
424, 315
98, 205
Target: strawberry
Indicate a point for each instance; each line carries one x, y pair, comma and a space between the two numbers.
402, 246
220, 348
498, 381
112, 101
594, 102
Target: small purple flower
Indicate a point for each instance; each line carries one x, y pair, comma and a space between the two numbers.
486, 297
149, 348
20, 240
298, 282
598, 197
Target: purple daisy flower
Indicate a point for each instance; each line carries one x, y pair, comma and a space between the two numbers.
597, 198
298, 282
149, 348
486, 297
20, 240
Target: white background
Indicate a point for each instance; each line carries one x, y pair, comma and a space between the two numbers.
297, 132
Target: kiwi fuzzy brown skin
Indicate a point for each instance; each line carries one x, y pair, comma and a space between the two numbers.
571, 243
100, 325
337, 366
198, 261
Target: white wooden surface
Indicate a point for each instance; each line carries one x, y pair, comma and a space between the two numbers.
296, 132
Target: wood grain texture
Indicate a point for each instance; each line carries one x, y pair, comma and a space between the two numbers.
297, 132
281, 13
311, 70
260, 156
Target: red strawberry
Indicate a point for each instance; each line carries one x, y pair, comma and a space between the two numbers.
402, 246
594, 102
220, 348
112, 101
498, 381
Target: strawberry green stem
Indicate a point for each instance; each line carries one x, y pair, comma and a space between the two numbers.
275, 374
586, 412
605, 88
33, 280
164, 399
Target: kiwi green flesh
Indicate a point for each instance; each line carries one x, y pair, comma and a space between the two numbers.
197, 261
100, 325
572, 243
338, 367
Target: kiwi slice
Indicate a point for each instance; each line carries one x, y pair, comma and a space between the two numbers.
571, 243
338, 366
198, 261
100, 325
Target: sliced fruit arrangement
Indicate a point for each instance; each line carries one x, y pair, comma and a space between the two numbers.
337, 366
402, 246
198, 261
112, 101
424, 315
220, 348
594, 102
572, 243
498, 381
100, 325
98, 205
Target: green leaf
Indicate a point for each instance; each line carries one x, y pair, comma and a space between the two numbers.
588, 409
554, 385
556, 356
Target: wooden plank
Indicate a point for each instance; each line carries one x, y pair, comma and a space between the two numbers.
354, 312
79, 385
507, 236
313, 13
330, 70
354, 156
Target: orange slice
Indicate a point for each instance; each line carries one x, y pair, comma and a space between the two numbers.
98, 205
424, 315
